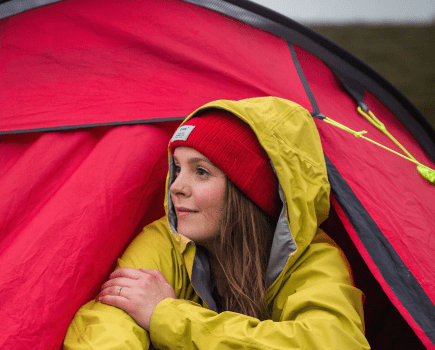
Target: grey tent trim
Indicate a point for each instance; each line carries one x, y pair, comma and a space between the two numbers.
83, 126
314, 106
390, 265
13, 7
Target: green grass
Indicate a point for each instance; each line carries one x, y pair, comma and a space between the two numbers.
404, 55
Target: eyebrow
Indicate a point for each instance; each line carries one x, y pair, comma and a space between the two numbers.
198, 159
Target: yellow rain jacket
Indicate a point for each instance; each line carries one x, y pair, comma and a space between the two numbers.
314, 302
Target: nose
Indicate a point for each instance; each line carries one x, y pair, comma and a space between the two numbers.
180, 185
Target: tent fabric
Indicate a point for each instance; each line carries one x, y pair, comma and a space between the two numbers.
91, 92
64, 224
345, 66
79, 53
379, 254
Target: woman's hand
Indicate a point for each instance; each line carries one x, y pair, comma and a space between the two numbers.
137, 292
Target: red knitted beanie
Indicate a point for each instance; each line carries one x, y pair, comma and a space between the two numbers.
232, 146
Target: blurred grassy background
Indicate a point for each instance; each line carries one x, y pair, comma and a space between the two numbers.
404, 55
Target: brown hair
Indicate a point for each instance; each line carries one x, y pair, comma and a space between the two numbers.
243, 249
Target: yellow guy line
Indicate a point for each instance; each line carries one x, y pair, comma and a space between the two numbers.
426, 172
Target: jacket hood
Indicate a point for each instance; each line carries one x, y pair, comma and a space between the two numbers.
288, 133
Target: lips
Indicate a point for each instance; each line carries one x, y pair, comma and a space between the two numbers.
183, 212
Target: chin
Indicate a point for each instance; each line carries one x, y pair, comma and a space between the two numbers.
196, 237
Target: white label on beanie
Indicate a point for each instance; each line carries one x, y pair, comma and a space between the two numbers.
182, 133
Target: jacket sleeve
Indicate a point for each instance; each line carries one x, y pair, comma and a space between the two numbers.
100, 326
317, 307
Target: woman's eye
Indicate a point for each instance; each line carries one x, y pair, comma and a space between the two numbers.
177, 170
202, 172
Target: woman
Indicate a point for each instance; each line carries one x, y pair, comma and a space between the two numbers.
239, 260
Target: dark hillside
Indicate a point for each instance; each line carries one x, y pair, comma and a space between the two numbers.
404, 55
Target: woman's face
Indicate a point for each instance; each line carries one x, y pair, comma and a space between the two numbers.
198, 194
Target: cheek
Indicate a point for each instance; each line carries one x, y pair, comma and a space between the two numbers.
212, 200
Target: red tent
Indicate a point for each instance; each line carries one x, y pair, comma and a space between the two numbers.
90, 92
